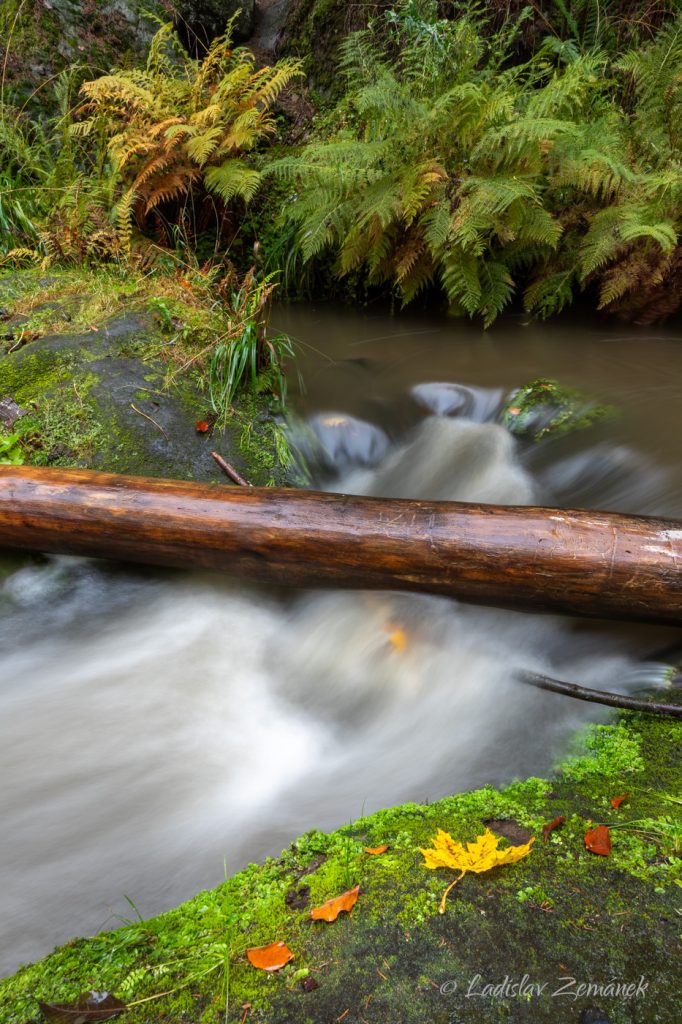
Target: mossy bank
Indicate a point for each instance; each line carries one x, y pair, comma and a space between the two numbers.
562, 918
105, 368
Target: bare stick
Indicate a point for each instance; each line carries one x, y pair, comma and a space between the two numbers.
230, 470
613, 700
151, 420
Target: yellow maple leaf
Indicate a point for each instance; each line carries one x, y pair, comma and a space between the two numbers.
481, 855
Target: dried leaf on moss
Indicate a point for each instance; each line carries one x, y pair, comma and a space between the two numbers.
551, 825
330, 910
270, 958
598, 840
91, 1006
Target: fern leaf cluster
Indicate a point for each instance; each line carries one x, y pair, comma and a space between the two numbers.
441, 174
182, 124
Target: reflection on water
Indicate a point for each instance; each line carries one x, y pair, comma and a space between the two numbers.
153, 724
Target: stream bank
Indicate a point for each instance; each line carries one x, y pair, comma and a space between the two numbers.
562, 919
90, 362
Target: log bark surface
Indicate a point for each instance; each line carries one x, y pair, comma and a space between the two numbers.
579, 562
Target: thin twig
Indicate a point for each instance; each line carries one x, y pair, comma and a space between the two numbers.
230, 471
613, 700
151, 420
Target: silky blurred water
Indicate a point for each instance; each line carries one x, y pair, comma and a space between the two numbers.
154, 724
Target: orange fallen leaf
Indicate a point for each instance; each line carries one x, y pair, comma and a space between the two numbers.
551, 825
270, 958
616, 801
330, 910
598, 840
481, 855
375, 850
202, 426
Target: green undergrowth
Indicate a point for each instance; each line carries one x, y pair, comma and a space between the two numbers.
560, 913
60, 346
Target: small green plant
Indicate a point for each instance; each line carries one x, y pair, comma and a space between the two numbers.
536, 895
10, 450
245, 352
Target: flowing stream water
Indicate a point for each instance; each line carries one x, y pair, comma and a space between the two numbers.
154, 725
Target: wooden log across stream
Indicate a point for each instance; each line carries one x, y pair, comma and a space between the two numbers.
599, 564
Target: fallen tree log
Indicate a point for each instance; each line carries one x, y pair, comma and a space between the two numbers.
597, 564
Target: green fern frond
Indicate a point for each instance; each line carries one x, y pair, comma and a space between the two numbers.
550, 293
460, 274
233, 178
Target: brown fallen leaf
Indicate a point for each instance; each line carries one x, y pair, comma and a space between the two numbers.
616, 801
375, 850
91, 1006
598, 840
330, 910
270, 958
551, 825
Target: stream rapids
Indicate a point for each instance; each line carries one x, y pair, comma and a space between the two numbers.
156, 725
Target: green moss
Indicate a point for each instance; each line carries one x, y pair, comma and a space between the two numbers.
545, 407
606, 752
314, 30
46, 38
531, 917
102, 318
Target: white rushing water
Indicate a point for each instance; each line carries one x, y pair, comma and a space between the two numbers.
153, 725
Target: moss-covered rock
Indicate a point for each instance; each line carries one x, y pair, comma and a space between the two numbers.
543, 407
314, 30
37, 40
520, 943
108, 398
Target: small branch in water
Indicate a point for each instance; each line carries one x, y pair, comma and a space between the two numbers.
151, 420
230, 470
613, 700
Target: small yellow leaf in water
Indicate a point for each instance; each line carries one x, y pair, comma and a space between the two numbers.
334, 421
398, 638
481, 855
